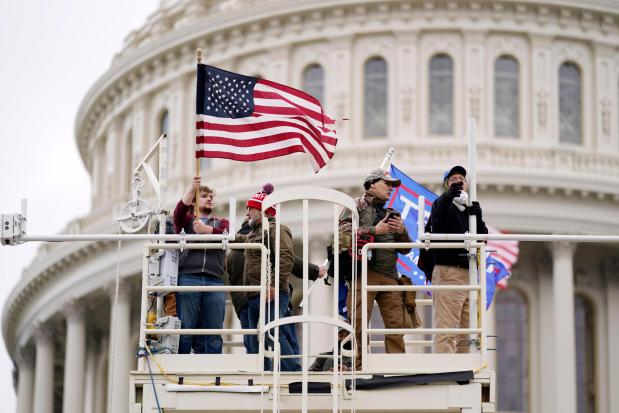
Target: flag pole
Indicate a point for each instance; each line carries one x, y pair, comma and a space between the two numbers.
387, 161
196, 208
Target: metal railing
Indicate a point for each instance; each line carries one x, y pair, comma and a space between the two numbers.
479, 288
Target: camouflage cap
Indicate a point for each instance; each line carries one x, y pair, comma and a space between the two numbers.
378, 174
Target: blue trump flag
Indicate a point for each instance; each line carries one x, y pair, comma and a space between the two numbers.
405, 200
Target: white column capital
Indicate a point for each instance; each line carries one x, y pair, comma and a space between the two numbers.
73, 310
43, 333
562, 248
24, 356
124, 289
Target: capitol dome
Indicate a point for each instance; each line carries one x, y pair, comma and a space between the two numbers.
541, 78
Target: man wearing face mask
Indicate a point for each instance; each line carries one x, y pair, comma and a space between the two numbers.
450, 215
378, 224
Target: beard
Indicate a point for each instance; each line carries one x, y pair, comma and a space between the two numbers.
206, 210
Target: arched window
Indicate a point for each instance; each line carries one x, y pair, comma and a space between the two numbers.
375, 98
314, 81
506, 97
512, 351
441, 95
570, 120
585, 354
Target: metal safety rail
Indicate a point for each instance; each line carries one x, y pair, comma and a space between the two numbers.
423, 363
432, 362
146, 289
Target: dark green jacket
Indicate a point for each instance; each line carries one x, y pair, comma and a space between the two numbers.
251, 267
384, 260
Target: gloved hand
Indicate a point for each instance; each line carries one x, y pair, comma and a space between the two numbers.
475, 209
455, 189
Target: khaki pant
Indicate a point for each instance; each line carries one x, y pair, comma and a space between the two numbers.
451, 309
391, 309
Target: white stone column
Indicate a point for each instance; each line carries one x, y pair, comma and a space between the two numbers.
611, 275
119, 361
542, 319
75, 355
25, 384
101, 377
44, 371
90, 377
564, 350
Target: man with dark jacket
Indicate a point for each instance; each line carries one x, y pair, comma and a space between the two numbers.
200, 268
382, 225
252, 272
450, 215
234, 276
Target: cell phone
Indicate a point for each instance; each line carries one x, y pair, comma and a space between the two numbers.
391, 214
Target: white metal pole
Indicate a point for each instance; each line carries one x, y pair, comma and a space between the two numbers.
364, 306
276, 347
472, 182
336, 286
421, 215
144, 305
483, 314
305, 360
387, 161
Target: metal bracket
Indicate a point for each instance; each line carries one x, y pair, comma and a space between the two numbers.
13, 227
426, 240
467, 241
224, 242
183, 240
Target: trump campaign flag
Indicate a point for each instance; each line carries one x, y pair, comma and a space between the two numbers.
248, 119
405, 200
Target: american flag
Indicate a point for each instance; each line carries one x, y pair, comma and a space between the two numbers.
505, 252
249, 119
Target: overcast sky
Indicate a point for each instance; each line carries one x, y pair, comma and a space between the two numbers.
51, 52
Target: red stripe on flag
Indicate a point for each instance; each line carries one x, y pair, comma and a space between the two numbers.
298, 93
250, 157
415, 194
256, 142
406, 267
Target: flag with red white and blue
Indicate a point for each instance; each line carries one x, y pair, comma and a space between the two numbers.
245, 118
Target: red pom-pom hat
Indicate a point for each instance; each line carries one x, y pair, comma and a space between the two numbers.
256, 200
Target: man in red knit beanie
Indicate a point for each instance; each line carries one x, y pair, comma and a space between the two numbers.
251, 273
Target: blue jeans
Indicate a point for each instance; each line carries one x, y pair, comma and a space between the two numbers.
291, 332
248, 340
200, 310
285, 345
